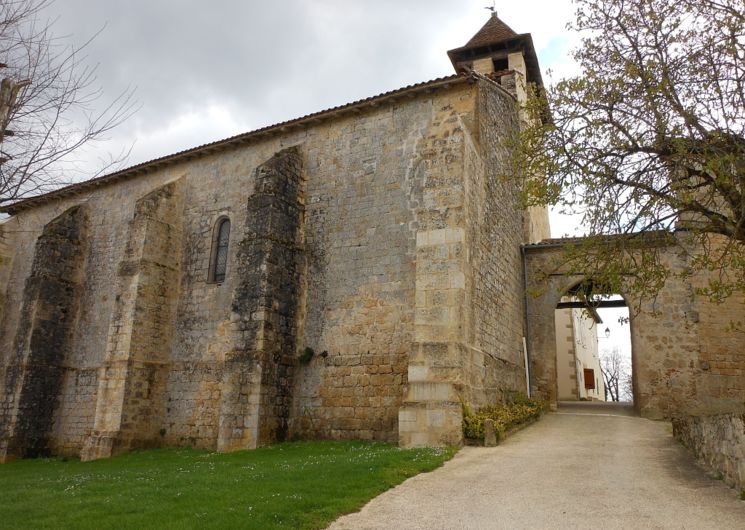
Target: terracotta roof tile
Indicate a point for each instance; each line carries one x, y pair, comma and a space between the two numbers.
492, 32
226, 143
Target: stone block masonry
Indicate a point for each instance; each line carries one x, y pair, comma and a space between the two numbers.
382, 240
718, 441
258, 372
381, 235
130, 402
35, 369
6, 259
685, 358
376, 234
468, 320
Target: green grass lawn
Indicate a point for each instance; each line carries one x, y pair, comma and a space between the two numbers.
291, 485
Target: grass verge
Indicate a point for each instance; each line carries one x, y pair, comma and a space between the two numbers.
291, 485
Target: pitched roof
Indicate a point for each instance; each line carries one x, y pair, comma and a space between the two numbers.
241, 139
495, 37
494, 31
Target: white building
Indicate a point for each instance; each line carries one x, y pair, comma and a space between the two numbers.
577, 361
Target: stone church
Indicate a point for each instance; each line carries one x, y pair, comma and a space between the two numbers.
353, 273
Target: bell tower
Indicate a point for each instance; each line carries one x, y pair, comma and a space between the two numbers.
509, 59
501, 54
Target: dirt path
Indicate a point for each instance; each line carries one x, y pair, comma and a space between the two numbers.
573, 469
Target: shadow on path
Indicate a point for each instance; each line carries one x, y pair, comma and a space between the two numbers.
612, 408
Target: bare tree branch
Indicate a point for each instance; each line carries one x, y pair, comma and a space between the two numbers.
51, 97
616, 374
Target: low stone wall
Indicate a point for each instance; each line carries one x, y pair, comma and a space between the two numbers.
717, 441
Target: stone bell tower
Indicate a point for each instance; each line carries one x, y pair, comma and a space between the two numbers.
508, 59
499, 53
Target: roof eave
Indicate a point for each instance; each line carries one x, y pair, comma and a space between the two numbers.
526, 39
233, 141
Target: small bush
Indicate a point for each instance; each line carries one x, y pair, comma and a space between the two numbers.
506, 416
473, 425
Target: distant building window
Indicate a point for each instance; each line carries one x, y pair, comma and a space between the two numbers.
219, 259
589, 379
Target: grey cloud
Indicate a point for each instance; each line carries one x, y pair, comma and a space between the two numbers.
266, 61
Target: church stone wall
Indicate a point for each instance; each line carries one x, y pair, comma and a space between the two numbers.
258, 371
495, 369
132, 379
364, 222
468, 320
371, 275
109, 211
6, 258
35, 366
215, 187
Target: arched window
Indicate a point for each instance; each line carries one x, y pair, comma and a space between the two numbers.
219, 259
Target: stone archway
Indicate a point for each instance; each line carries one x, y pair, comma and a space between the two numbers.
584, 314
542, 334
684, 361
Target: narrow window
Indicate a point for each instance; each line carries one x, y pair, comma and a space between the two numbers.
219, 261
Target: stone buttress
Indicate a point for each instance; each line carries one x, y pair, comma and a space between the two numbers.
130, 400
431, 412
51, 299
258, 370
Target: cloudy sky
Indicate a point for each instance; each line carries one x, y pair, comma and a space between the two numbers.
208, 70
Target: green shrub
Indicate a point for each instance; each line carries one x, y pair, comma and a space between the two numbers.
473, 426
519, 409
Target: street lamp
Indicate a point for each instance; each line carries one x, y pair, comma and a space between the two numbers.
607, 333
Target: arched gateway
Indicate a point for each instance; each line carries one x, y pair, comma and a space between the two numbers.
685, 359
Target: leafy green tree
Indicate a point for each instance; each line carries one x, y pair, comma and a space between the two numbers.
648, 142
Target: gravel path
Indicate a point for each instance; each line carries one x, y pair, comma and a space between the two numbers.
573, 469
